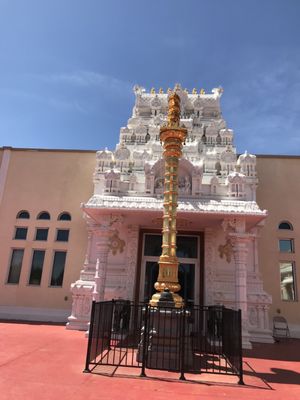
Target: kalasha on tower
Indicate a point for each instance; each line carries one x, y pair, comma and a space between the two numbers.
217, 217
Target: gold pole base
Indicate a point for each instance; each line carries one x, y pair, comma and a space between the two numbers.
157, 297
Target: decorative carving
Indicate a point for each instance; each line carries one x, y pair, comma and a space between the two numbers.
198, 104
104, 155
226, 251
107, 221
96, 291
116, 244
184, 185
174, 110
159, 183
234, 225
209, 266
156, 103
123, 153
228, 156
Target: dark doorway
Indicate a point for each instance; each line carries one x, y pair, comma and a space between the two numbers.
186, 277
188, 250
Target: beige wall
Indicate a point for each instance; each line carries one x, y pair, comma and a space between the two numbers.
53, 181
279, 193
57, 181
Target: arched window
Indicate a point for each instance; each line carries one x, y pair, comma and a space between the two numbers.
64, 217
285, 225
43, 215
23, 214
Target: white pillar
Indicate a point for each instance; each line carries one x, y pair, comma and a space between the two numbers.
82, 290
258, 299
88, 271
131, 259
240, 251
88, 249
96, 296
102, 244
209, 266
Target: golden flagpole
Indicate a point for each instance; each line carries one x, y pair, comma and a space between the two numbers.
172, 137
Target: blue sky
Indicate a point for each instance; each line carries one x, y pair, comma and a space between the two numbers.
67, 67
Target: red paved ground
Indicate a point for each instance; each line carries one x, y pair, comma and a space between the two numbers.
45, 362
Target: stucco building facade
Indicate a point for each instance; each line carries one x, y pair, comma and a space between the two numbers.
103, 211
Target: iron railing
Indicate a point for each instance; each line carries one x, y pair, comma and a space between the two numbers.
188, 340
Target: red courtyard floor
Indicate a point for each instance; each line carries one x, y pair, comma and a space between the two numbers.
45, 362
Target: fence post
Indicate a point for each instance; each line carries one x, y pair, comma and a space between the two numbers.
91, 329
144, 344
182, 343
241, 381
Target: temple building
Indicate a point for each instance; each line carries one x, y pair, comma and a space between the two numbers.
237, 222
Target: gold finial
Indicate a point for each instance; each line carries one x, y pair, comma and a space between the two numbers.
152, 91
174, 110
186, 91
202, 91
169, 91
194, 91
161, 90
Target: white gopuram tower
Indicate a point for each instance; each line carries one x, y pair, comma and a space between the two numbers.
217, 198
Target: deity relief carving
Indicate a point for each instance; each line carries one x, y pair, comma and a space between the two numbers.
156, 103
226, 250
116, 244
159, 185
184, 185
253, 316
122, 153
228, 156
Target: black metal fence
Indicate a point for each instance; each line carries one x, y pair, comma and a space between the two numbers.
189, 340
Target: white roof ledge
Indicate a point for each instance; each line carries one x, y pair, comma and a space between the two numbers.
125, 203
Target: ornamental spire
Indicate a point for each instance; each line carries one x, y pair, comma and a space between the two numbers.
173, 110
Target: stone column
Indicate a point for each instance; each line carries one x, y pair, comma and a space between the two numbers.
240, 250
83, 289
131, 259
88, 249
96, 296
258, 299
88, 271
209, 266
103, 235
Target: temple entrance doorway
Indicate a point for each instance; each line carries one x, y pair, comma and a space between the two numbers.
189, 271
